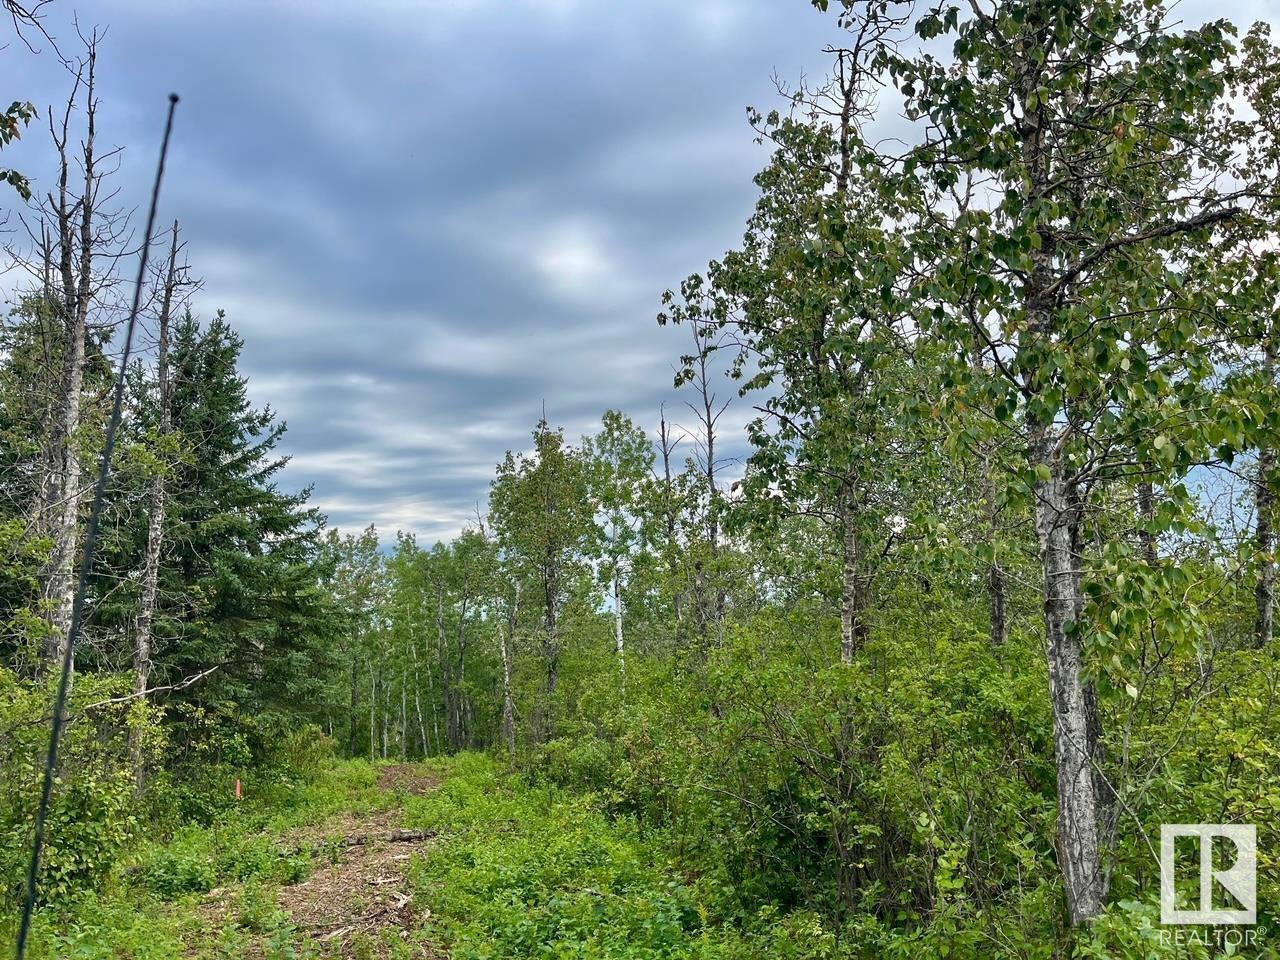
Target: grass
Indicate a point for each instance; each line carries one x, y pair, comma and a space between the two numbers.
519, 870
154, 905
534, 871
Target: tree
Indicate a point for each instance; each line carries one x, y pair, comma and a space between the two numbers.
1259, 270
811, 306
1068, 153
243, 576
155, 517
543, 520
620, 458
355, 583
73, 281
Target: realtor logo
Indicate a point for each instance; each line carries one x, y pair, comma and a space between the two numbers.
1239, 879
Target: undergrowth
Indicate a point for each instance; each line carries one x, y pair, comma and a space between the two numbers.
150, 905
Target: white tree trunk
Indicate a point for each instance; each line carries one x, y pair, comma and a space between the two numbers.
508, 691
155, 522
63, 491
617, 625
1074, 709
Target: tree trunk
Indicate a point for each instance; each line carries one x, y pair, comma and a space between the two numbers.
617, 625
62, 491
1076, 725
446, 673
435, 716
1146, 513
667, 446
1265, 542
373, 713
353, 716
155, 522
460, 694
551, 647
424, 743
996, 591
853, 601
1074, 706
508, 691
404, 713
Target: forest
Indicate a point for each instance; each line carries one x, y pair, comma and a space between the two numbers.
990, 600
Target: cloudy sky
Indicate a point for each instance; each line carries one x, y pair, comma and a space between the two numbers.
429, 217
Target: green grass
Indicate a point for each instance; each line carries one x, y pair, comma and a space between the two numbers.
518, 870
533, 871
148, 909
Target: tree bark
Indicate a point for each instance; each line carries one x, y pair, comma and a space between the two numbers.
1146, 513
353, 716
1265, 543
155, 522
61, 492
404, 712
373, 713
1074, 706
617, 625
551, 644
1076, 725
435, 716
667, 447
417, 697
853, 628
508, 691
446, 673
996, 592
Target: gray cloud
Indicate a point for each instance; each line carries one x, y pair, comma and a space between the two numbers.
427, 218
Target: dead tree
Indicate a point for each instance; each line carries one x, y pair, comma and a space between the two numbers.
142, 645
79, 245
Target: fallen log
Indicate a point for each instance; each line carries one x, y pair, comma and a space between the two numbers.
395, 836
358, 840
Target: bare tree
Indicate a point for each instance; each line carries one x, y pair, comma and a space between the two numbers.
79, 243
142, 646
707, 409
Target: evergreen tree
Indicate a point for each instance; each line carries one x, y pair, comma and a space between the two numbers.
240, 581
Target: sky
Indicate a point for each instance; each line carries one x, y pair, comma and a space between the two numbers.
429, 219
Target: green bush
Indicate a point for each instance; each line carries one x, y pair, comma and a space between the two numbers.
92, 817
532, 870
176, 871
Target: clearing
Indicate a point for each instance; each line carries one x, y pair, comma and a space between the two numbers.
355, 901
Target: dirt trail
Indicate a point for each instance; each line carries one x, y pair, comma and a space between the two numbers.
357, 904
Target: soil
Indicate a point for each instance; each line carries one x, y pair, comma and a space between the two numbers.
357, 904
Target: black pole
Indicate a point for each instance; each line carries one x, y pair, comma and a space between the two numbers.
86, 564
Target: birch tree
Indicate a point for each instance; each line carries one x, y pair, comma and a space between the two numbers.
620, 458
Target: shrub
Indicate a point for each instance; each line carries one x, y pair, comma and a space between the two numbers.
92, 816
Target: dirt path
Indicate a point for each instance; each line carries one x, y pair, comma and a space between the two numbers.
355, 903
